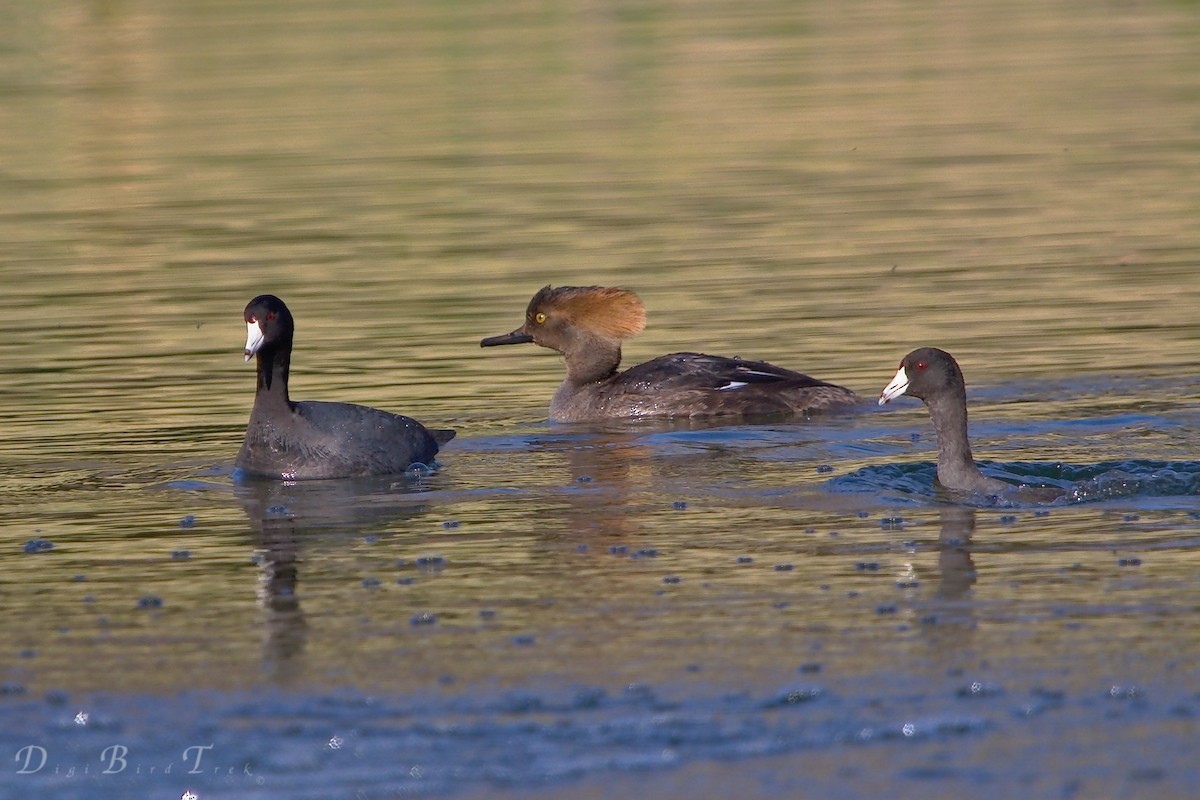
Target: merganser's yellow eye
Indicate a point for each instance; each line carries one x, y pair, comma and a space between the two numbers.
539, 318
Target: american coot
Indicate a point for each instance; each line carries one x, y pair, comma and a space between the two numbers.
587, 325
300, 441
933, 376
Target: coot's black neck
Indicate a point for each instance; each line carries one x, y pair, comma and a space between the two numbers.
274, 360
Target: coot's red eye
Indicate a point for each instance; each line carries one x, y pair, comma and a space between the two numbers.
270, 316
920, 365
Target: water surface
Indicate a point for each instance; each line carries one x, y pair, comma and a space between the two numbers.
784, 608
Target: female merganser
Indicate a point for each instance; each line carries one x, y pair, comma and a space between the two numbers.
587, 325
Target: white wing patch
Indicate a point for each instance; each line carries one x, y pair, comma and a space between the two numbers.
731, 385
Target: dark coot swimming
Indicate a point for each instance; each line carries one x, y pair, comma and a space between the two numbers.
933, 376
309, 440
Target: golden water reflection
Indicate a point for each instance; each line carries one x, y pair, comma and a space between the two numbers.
822, 186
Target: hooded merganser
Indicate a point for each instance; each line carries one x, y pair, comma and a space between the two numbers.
300, 441
587, 325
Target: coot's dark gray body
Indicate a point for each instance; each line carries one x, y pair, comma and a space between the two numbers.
310, 440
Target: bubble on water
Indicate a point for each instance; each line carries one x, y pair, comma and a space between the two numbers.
423, 618
418, 469
430, 563
980, 689
150, 601
1119, 692
794, 696
38, 546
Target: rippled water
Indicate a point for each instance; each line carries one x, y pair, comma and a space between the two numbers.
784, 609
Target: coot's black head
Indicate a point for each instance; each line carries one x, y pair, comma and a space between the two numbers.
268, 324
925, 373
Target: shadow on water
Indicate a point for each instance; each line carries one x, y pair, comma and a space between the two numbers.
287, 515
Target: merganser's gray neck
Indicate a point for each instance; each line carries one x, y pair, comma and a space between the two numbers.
590, 358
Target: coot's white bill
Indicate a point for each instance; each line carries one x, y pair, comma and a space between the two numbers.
897, 387
254, 339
